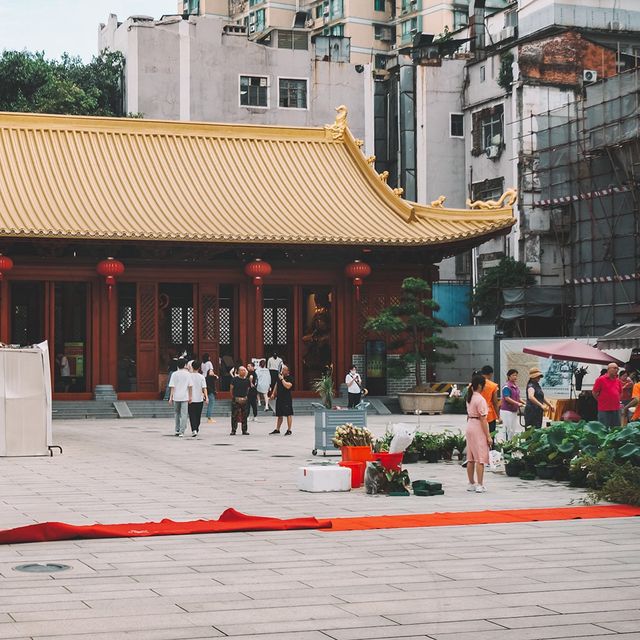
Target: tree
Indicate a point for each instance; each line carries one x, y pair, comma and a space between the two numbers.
487, 297
31, 83
413, 329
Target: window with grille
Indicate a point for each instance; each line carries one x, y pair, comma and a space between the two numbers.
293, 93
298, 40
181, 326
488, 189
225, 325
267, 319
254, 91
126, 319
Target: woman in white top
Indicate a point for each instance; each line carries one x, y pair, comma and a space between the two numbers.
264, 383
198, 398
354, 386
210, 378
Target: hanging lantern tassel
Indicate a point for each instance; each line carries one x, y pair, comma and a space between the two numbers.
257, 271
110, 269
357, 271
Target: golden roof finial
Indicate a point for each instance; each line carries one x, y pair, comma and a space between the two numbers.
337, 129
439, 203
507, 199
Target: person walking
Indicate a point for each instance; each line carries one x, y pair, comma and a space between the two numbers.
607, 390
253, 391
354, 386
239, 401
264, 383
634, 402
274, 364
198, 398
284, 401
490, 394
510, 404
210, 378
180, 393
535, 403
477, 434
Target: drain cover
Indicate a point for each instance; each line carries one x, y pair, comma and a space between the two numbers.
35, 567
222, 444
280, 455
249, 449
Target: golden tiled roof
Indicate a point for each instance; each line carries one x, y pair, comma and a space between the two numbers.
129, 179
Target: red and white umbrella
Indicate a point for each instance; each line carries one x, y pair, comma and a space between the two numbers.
571, 350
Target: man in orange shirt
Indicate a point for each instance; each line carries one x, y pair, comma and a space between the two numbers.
490, 394
635, 402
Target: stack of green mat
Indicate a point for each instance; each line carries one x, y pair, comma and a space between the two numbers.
427, 488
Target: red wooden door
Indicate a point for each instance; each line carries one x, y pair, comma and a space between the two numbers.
147, 351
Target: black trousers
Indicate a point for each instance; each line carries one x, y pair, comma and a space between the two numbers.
195, 413
354, 399
253, 402
274, 378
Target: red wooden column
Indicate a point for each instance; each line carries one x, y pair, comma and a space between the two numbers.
5, 312
102, 334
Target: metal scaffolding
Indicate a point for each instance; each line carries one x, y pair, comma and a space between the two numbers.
583, 168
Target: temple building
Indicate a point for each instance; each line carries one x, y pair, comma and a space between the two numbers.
125, 242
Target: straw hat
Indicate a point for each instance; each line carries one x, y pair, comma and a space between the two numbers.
535, 373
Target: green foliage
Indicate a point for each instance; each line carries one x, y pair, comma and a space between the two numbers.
31, 83
622, 486
412, 328
505, 75
487, 297
323, 386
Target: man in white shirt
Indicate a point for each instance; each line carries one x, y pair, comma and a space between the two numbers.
354, 386
181, 387
198, 398
274, 364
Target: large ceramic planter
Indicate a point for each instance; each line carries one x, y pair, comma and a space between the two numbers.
428, 403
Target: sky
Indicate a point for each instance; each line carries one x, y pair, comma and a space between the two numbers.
56, 26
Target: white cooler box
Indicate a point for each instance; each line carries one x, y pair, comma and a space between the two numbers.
319, 478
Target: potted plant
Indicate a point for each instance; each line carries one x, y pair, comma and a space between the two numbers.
354, 442
546, 471
458, 443
431, 447
414, 332
397, 482
323, 386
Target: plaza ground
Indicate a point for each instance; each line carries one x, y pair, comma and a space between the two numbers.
572, 579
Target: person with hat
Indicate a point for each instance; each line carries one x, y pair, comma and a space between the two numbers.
534, 409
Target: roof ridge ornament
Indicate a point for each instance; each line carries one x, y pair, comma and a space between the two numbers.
507, 199
338, 128
438, 203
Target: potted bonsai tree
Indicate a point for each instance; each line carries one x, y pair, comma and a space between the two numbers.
415, 333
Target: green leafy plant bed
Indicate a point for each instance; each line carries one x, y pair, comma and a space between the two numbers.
604, 460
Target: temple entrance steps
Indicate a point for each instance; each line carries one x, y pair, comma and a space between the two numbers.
97, 409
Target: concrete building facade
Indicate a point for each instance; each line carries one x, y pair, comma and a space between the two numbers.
204, 69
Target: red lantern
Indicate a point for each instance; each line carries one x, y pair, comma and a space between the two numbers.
257, 270
6, 264
357, 271
110, 269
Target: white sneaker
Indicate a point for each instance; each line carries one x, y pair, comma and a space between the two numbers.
471, 487
480, 489
181, 435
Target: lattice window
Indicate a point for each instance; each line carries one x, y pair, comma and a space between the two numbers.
126, 319
20, 319
147, 312
267, 322
281, 325
190, 326
209, 318
394, 300
175, 325
225, 325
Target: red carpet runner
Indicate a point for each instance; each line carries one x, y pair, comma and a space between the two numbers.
233, 521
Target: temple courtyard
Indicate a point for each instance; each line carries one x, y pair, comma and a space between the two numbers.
522, 581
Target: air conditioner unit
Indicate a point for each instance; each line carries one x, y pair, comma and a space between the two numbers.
385, 35
507, 32
309, 23
252, 28
589, 75
492, 152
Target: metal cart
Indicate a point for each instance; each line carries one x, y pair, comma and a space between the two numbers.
328, 420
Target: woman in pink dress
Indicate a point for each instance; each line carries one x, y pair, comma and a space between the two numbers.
477, 434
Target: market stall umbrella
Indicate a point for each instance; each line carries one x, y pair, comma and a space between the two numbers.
571, 350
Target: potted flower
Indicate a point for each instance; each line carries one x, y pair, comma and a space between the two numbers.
323, 386
415, 333
354, 442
